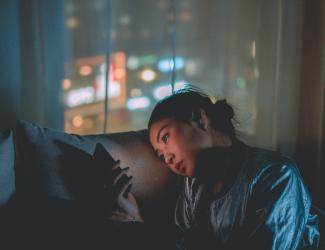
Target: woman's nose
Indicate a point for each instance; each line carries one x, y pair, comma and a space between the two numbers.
169, 159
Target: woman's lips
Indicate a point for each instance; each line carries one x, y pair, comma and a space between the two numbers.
180, 167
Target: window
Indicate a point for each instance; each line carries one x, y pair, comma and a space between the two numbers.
229, 48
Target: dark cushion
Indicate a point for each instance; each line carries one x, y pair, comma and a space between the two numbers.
56, 180
7, 172
56, 164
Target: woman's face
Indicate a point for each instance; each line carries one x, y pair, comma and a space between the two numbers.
178, 144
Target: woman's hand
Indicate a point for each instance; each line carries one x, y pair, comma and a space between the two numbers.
128, 210
127, 207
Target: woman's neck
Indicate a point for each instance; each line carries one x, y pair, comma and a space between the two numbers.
219, 166
235, 155
221, 140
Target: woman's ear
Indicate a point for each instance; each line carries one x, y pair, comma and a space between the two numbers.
204, 120
201, 119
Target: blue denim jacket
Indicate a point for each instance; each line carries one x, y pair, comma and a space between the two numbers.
263, 204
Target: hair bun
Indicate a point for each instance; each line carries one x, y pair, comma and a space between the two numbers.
223, 109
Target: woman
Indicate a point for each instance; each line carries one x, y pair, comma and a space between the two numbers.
234, 196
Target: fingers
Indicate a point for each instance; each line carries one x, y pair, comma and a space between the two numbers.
119, 173
123, 187
120, 217
110, 175
127, 191
116, 165
121, 182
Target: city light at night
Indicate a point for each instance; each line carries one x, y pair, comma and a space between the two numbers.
148, 75
138, 103
166, 90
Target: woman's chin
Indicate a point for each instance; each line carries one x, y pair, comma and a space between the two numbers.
185, 174
186, 171
189, 173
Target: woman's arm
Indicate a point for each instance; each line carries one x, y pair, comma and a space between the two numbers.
278, 209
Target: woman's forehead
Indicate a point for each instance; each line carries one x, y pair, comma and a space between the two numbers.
158, 126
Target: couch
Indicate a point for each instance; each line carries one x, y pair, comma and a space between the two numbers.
46, 190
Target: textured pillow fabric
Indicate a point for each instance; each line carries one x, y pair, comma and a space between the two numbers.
7, 172
42, 155
55, 204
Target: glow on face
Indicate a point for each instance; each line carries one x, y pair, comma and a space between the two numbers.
177, 144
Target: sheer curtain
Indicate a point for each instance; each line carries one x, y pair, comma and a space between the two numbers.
32, 56
247, 52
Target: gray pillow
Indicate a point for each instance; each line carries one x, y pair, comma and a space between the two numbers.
53, 163
42, 155
7, 172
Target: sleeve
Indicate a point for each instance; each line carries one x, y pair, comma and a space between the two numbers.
182, 220
182, 213
277, 210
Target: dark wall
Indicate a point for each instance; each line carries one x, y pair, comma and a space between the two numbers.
311, 128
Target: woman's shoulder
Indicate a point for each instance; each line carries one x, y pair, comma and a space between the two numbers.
270, 161
271, 169
266, 157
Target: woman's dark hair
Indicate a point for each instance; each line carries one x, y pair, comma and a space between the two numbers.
185, 105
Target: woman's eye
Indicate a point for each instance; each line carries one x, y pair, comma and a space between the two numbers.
165, 138
161, 157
